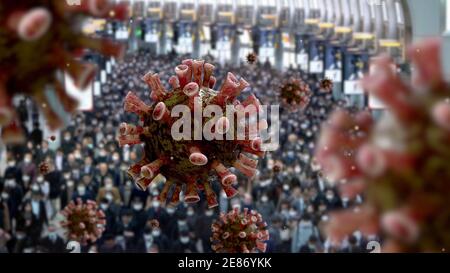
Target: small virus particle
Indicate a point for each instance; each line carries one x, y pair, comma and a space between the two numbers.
44, 168
277, 167
154, 223
186, 163
326, 85
251, 58
399, 162
237, 232
52, 138
39, 38
84, 221
295, 95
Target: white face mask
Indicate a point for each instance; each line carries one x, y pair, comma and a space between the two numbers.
104, 206
81, 190
40, 179
137, 206
156, 232
11, 163
190, 212
26, 178
264, 199
27, 160
108, 186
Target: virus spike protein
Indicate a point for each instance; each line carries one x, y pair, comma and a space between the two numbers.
239, 232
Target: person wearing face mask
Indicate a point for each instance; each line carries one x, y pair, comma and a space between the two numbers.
36, 134
184, 244
52, 242
82, 192
12, 194
110, 192
302, 232
44, 152
311, 247
333, 202
13, 170
5, 222
109, 245
28, 169
203, 228
55, 181
67, 143
139, 214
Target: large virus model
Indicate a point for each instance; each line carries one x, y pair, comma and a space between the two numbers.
295, 95
401, 162
237, 232
185, 163
84, 221
38, 38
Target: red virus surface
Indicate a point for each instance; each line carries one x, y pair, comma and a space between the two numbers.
52, 138
189, 164
37, 39
401, 162
154, 223
251, 58
295, 95
44, 168
237, 232
84, 221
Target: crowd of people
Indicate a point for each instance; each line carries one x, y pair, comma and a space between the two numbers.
86, 162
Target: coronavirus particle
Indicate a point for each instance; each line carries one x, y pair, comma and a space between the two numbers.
190, 163
251, 58
295, 95
237, 232
39, 38
326, 85
400, 162
84, 222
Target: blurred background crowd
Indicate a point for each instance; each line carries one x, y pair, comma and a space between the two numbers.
86, 162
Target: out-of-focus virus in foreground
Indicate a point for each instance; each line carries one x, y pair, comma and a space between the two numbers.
39, 38
251, 58
84, 221
401, 162
187, 162
295, 95
237, 232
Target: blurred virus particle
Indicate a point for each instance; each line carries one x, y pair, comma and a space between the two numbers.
326, 85
295, 95
39, 38
401, 162
44, 168
154, 223
237, 232
277, 166
190, 164
84, 222
52, 138
251, 58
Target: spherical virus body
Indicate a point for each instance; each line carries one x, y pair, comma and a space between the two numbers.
189, 164
326, 85
237, 232
84, 221
401, 163
39, 38
295, 95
